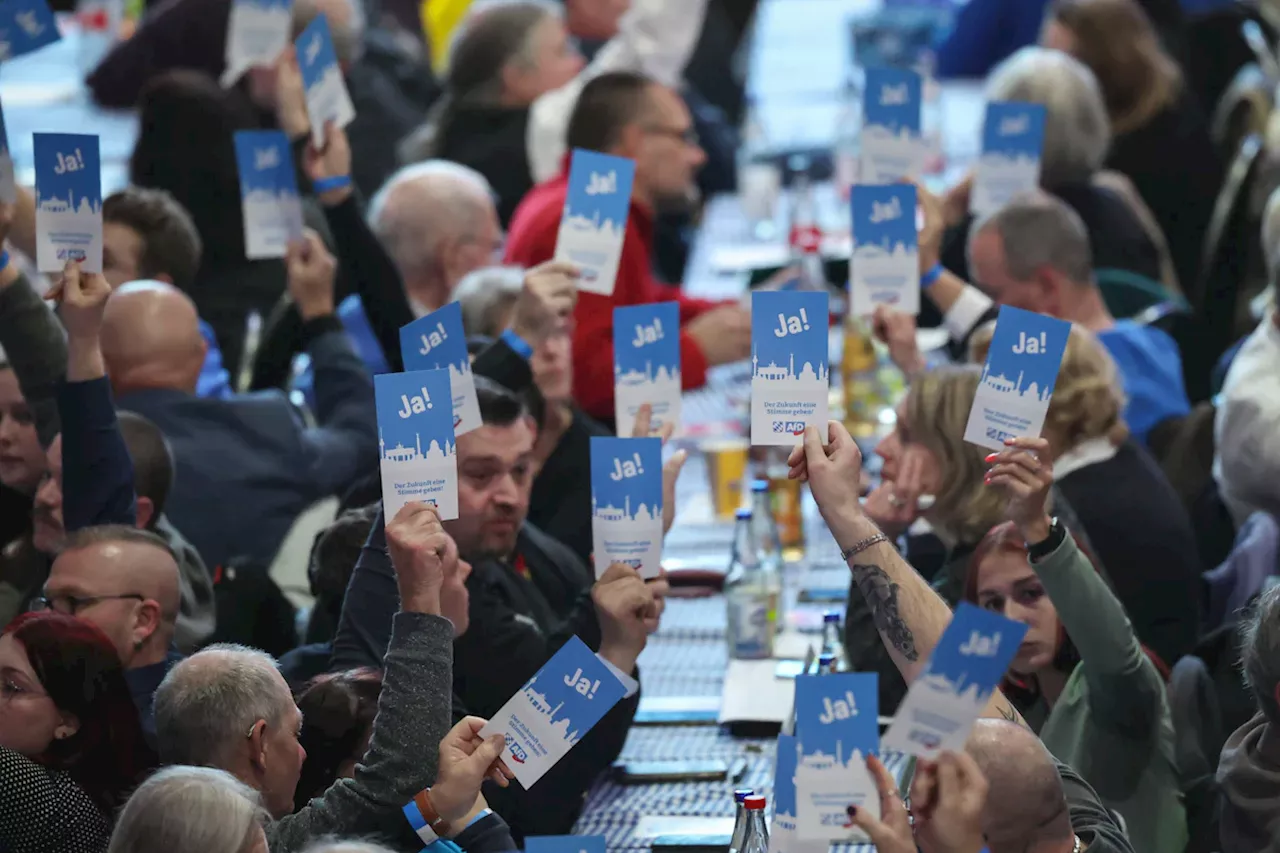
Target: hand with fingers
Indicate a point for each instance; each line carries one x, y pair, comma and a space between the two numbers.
311, 270
546, 301
947, 799
82, 302
833, 471
932, 228
897, 331
670, 468
422, 554
466, 761
1024, 472
891, 832
895, 505
626, 607
659, 588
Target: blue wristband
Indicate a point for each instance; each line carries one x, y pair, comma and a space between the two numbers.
932, 275
483, 813
4, 260
324, 185
517, 343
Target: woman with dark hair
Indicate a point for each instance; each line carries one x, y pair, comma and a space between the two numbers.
71, 746
339, 708
1079, 678
1159, 134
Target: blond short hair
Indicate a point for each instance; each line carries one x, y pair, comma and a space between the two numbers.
1088, 399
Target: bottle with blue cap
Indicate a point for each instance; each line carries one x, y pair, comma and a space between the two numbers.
826, 663
752, 588
740, 819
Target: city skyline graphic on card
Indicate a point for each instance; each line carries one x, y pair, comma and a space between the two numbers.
564, 844
554, 710
438, 342
1012, 140
789, 370
25, 27
326, 89
1018, 377
885, 267
268, 192
416, 442
964, 670
646, 363
836, 724
786, 760
257, 33
68, 201
626, 478
594, 221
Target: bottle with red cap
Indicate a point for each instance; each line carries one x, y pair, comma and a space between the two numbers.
805, 233
756, 837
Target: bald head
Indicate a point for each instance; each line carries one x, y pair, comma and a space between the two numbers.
151, 337
1026, 806
133, 576
438, 222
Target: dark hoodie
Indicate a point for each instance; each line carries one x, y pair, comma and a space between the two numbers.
1249, 775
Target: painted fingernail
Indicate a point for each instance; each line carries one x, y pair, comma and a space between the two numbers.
991, 457
852, 811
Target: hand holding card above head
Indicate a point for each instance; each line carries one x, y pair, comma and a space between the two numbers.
955, 202
422, 553
291, 97
332, 164
466, 760
931, 230
1024, 472
722, 333
670, 468
546, 300
832, 472
311, 274
623, 603
947, 799
82, 299
897, 331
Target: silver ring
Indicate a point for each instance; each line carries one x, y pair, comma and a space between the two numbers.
894, 501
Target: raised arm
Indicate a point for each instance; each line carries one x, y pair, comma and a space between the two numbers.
655, 37
908, 614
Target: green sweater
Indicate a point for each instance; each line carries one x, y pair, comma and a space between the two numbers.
1112, 721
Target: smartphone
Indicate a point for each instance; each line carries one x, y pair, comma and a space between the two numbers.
657, 772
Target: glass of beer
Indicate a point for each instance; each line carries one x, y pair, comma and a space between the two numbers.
727, 470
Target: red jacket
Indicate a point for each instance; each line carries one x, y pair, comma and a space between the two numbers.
532, 240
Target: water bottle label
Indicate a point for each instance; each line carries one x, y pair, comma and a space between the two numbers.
751, 623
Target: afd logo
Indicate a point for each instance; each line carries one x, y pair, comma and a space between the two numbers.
518, 755
926, 738
792, 427
72, 254
998, 434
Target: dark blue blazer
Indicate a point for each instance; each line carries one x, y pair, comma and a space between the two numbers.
247, 466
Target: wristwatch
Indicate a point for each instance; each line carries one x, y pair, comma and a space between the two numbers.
1037, 551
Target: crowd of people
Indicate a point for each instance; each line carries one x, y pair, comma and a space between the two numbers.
166, 425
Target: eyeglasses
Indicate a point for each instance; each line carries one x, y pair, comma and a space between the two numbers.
72, 604
10, 691
688, 135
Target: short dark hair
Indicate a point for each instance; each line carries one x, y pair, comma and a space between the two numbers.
607, 104
170, 243
499, 405
87, 537
152, 461
334, 555
339, 709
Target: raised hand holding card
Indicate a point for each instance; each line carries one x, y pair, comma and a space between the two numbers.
646, 364
892, 148
68, 201
836, 725
789, 384
416, 441
25, 26
885, 267
626, 503
966, 666
437, 341
1012, 139
327, 97
1018, 377
257, 33
594, 221
268, 193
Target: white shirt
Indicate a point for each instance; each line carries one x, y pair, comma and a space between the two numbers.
1246, 429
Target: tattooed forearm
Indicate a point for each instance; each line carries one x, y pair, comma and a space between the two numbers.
881, 595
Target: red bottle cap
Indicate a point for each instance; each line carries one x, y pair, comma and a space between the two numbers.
755, 801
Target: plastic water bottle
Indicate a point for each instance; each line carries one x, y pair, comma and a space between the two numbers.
805, 233
847, 149
830, 633
756, 839
826, 663
766, 524
751, 590
740, 819
759, 178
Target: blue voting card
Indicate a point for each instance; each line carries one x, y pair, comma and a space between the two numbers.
885, 267
784, 836
326, 88
554, 710
25, 26
268, 193
564, 844
965, 668
1018, 378
1012, 139
68, 201
836, 727
594, 221
437, 341
892, 147
257, 33
789, 384
626, 503
416, 442
646, 364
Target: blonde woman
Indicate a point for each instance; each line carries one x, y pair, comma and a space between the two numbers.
1137, 526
